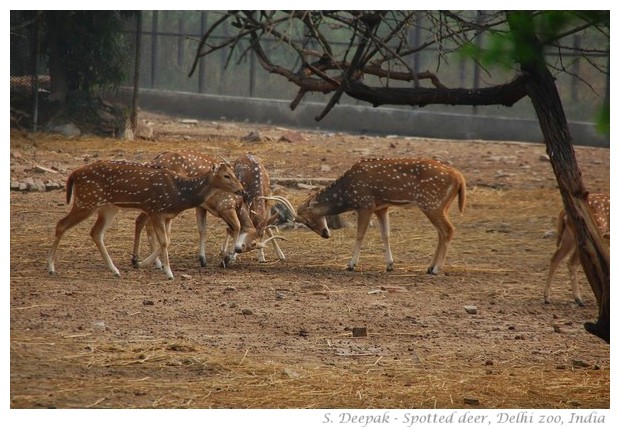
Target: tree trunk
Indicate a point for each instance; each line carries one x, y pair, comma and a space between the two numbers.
593, 251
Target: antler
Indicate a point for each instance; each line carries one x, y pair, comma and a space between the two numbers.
225, 162
264, 243
282, 200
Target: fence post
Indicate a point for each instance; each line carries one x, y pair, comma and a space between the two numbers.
136, 73
478, 40
201, 68
154, 47
35, 74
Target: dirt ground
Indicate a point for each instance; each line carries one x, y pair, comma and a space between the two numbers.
279, 334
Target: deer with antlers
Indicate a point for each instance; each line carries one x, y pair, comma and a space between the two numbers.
106, 187
566, 244
255, 179
246, 222
373, 186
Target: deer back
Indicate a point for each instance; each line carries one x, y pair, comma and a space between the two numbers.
599, 205
255, 180
389, 181
186, 162
152, 190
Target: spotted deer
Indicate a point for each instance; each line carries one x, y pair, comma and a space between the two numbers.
566, 245
231, 208
255, 179
106, 187
373, 186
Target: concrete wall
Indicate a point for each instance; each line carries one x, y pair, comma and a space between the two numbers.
357, 119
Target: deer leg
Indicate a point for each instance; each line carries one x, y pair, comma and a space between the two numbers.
139, 226
201, 222
445, 231
104, 220
153, 245
384, 226
573, 263
161, 227
276, 246
234, 226
74, 217
560, 253
363, 219
229, 257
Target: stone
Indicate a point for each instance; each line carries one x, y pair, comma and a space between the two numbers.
471, 309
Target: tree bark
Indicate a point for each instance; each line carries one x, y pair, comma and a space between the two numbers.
593, 251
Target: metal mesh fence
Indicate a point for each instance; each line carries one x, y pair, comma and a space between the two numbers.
169, 39
32, 102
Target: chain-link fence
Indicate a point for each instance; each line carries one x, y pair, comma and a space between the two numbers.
168, 40
33, 49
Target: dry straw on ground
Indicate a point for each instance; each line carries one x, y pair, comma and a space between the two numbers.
279, 335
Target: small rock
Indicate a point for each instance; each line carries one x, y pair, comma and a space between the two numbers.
488, 362
280, 295
148, 302
359, 332
290, 373
100, 324
292, 137
186, 276
471, 309
189, 121
14, 185
51, 186
471, 401
557, 329
230, 289
577, 363
246, 312
38, 186
549, 234
252, 137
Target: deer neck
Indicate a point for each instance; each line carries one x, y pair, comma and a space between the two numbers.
333, 199
194, 191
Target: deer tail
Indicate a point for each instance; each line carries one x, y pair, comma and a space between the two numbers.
462, 194
69, 188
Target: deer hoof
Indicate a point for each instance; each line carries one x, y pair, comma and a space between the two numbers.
579, 302
135, 262
390, 267
350, 267
431, 270
203, 261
